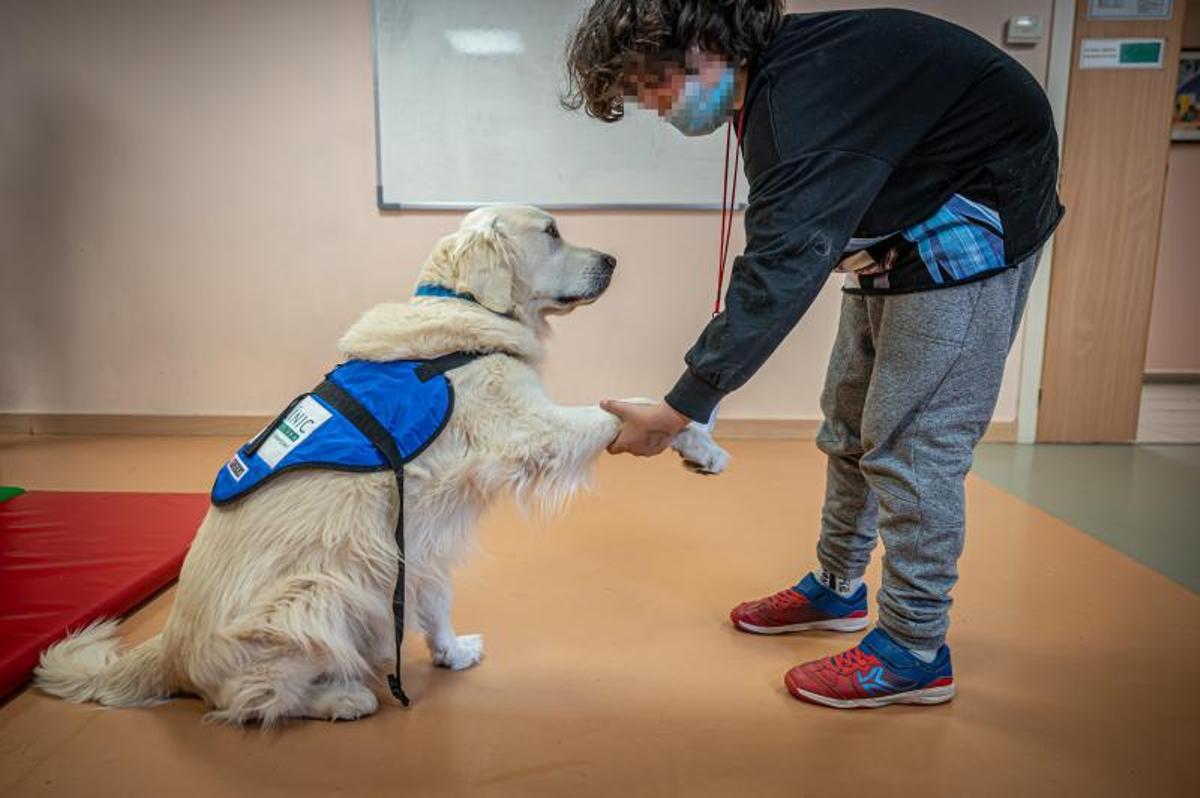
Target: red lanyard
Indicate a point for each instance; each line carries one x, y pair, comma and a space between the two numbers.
728, 193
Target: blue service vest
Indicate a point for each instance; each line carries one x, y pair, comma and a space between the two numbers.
409, 399
365, 416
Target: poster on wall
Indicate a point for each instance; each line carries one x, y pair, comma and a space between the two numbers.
1187, 98
1129, 9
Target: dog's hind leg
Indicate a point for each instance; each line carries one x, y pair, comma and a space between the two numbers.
311, 631
291, 686
433, 597
340, 700
275, 686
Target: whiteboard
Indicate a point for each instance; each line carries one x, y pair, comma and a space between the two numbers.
467, 114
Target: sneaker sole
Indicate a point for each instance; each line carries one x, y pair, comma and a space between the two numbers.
927, 697
831, 625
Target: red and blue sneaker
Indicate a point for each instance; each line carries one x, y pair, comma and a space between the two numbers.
875, 673
808, 605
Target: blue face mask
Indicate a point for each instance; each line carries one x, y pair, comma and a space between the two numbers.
700, 109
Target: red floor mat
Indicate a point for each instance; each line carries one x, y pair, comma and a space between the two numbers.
69, 558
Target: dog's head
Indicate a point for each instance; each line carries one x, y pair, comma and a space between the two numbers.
512, 259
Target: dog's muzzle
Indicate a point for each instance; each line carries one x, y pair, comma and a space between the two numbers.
599, 277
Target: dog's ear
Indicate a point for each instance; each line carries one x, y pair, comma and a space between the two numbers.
482, 260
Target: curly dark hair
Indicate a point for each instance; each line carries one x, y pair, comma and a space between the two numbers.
615, 34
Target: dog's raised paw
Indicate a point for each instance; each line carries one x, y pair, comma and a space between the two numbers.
699, 451
467, 652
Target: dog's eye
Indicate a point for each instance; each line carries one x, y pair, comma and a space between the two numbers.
552, 231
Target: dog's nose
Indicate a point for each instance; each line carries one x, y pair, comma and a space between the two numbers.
609, 262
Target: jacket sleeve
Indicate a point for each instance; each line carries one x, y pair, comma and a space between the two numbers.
801, 215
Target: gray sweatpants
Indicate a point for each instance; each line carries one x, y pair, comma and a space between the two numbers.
911, 388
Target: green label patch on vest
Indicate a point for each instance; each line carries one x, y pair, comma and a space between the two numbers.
305, 418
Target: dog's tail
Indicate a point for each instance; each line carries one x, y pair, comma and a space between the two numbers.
87, 666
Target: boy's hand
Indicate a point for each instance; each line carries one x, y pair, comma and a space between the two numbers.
646, 430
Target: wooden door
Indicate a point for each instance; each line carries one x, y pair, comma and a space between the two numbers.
1114, 174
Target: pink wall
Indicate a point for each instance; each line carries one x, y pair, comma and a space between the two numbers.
187, 219
1174, 344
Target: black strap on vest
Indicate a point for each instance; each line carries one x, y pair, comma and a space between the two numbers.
337, 398
440, 365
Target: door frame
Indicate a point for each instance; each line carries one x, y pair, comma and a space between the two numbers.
1033, 348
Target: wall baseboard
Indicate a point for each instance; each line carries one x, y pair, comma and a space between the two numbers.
121, 424
734, 429
765, 429
1171, 377
805, 429
1001, 432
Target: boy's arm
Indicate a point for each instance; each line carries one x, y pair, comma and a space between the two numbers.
802, 213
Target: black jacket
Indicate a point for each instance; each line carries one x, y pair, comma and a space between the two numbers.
859, 124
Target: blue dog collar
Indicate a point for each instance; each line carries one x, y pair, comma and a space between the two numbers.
430, 289
435, 290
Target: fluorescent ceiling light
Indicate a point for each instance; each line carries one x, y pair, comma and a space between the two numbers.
485, 41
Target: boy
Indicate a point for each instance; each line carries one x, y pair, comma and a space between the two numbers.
918, 158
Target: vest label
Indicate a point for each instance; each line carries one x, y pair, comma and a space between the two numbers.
302, 421
237, 469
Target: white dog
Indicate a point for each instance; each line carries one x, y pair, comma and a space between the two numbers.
283, 608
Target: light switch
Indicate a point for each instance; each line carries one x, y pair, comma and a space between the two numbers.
1024, 29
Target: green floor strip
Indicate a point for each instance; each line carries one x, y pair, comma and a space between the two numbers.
1141, 500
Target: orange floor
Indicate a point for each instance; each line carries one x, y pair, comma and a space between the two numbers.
611, 669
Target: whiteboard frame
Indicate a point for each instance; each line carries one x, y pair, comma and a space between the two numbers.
466, 205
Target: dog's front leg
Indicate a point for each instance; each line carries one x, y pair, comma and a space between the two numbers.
594, 427
456, 652
579, 435
556, 457
699, 451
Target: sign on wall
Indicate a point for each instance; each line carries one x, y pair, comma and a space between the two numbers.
1121, 53
1129, 9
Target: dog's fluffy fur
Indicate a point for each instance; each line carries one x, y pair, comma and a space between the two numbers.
283, 606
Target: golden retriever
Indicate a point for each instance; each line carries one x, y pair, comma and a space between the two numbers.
283, 607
